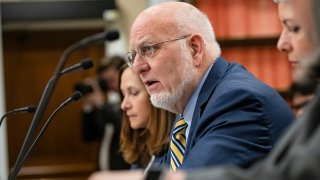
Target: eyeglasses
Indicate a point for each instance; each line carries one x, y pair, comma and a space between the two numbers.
146, 51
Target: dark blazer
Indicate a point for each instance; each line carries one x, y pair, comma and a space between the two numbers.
295, 157
237, 119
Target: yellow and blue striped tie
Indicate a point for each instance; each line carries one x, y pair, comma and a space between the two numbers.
178, 144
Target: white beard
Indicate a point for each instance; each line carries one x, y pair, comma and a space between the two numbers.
167, 101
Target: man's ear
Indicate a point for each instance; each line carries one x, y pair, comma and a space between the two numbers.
197, 49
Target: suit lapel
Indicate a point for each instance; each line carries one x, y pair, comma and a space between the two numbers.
215, 75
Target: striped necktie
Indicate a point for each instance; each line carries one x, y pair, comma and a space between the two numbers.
178, 144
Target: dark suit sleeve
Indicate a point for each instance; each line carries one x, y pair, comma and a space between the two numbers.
233, 129
295, 157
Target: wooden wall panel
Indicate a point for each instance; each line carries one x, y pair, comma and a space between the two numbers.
30, 59
241, 18
265, 62
255, 21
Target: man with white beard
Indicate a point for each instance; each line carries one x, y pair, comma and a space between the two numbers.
227, 115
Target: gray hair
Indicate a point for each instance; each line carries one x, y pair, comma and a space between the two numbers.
200, 24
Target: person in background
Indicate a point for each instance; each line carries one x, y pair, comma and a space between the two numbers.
145, 129
101, 115
301, 95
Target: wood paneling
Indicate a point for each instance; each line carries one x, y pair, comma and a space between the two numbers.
248, 31
241, 18
30, 59
265, 62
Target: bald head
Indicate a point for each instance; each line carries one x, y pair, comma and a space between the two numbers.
173, 45
175, 19
182, 15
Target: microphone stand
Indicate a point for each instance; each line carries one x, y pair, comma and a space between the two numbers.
41, 107
73, 98
98, 38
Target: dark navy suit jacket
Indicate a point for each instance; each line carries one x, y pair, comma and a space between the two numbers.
237, 120
295, 157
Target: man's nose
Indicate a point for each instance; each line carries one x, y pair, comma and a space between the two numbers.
140, 65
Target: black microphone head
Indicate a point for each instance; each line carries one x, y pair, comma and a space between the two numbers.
98, 38
86, 63
31, 109
112, 35
76, 95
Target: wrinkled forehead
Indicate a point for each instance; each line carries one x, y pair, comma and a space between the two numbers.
152, 25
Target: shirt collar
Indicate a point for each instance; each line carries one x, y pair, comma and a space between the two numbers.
189, 108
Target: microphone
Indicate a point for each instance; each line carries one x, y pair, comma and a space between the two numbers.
28, 109
101, 37
84, 64
74, 97
94, 39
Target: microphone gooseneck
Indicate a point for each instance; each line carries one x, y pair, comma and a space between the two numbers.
105, 36
28, 109
101, 37
84, 64
74, 97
